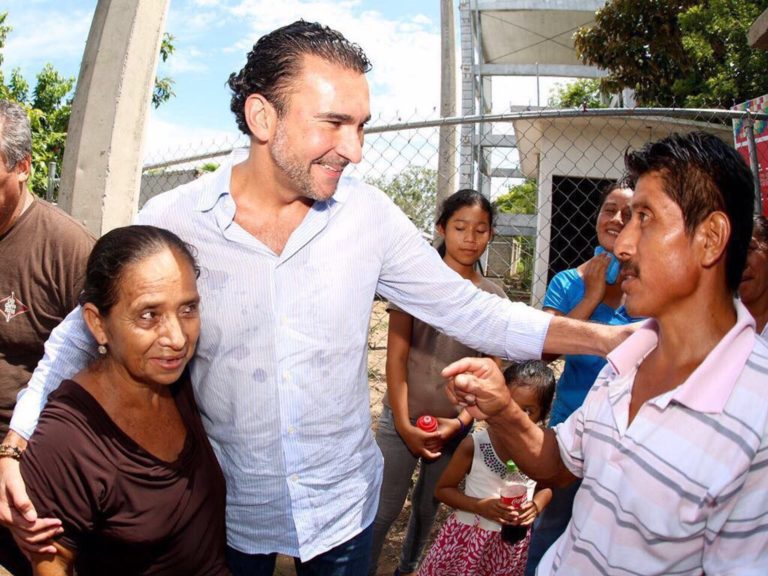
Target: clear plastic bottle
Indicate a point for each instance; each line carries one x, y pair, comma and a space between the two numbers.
514, 493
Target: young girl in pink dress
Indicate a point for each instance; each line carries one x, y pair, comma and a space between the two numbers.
470, 542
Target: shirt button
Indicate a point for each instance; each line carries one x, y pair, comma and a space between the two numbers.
291, 429
295, 478
286, 376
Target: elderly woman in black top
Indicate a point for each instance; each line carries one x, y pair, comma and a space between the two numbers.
120, 454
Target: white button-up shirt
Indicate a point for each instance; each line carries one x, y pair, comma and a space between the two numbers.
280, 373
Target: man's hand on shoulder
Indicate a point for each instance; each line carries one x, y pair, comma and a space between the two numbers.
569, 336
16, 510
617, 334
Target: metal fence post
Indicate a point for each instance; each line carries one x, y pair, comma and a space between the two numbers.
749, 124
52, 179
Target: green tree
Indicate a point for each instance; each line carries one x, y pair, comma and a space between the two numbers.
520, 199
681, 53
4, 29
638, 42
582, 92
49, 110
49, 106
727, 70
414, 190
163, 90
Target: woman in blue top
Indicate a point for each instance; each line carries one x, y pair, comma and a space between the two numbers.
589, 291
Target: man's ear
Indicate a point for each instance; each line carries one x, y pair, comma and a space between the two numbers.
23, 169
260, 116
713, 234
95, 322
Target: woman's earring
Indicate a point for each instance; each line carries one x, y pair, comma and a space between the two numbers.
102, 350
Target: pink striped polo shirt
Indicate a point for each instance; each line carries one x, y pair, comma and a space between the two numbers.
683, 490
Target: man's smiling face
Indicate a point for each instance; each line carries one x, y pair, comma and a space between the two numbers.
321, 129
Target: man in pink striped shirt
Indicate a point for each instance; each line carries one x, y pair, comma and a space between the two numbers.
672, 440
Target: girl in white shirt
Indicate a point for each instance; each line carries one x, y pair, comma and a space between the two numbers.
470, 542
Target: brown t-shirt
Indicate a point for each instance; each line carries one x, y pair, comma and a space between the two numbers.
430, 352
125, 511
42, 267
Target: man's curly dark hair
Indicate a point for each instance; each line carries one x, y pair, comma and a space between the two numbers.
276, 59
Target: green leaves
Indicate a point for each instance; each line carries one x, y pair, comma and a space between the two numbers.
520, 199
582, 92
49, 106
414, 190
163, 90
685, 53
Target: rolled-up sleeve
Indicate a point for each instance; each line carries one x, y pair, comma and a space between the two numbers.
416, 279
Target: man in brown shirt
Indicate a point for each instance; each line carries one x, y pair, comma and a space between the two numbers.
43, 253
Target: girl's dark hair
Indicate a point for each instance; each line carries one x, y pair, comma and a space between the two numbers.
537, 375
120, 248
457, 201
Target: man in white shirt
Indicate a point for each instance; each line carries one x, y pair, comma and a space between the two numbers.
292, 255
672, 440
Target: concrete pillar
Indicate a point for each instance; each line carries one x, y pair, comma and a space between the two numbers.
446, 158
466, 163
101, 172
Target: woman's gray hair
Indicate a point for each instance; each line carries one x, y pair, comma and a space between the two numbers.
15, 134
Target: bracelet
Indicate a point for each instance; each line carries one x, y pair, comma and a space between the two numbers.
8, 451
463, 427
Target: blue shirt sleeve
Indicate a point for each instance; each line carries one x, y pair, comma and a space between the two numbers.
564, 291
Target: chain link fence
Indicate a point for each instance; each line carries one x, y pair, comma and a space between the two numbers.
545, 168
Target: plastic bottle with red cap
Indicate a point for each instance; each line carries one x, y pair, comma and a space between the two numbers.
427, 423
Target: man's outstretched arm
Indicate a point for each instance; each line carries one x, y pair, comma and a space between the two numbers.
478, 384
569, 336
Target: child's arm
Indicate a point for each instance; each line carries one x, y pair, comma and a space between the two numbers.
449, 427
531, 509
420, 443
447, 490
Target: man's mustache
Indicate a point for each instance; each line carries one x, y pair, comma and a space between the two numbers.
629, 268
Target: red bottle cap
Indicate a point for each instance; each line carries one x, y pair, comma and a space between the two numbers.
427, 423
